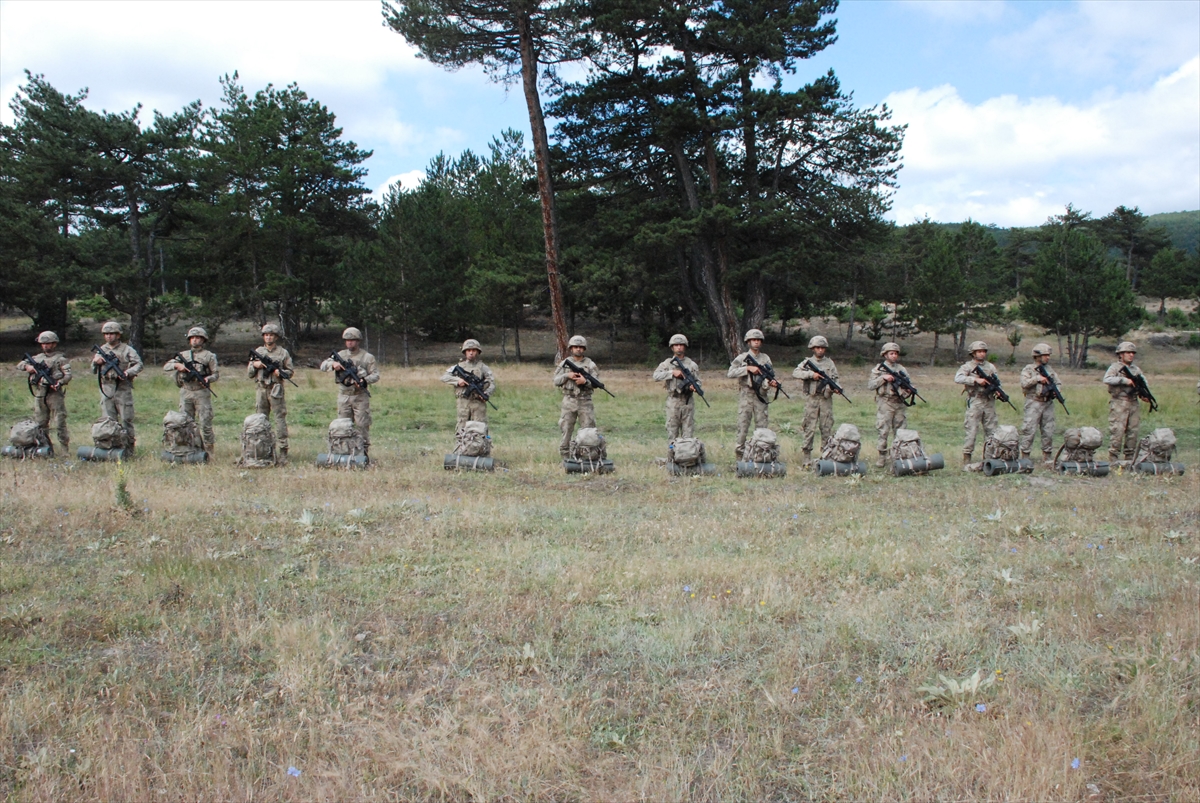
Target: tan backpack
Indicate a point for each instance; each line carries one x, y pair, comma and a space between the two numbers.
1003, 444
258, 442
344, 437
1079, 445
907, 445
1157, 447
844, 446
762, 447
686, 452
588, 446
181, 436
26, 435
473, 440
107, 433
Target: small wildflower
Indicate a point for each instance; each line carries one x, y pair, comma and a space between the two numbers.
858, 679
981, 708
795, 515
1075, 763
1099, 546
1014, 549
687, 588
795, 690
292, 771
904, 758
762, 602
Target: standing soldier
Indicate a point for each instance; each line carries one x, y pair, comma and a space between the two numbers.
577, 405
818, 410
354, 399
470, 406
981, 402
269, 396
1039, 408
890, 414
49, 397
752, 402
1124, 408
116, 394
195, 372
681, 406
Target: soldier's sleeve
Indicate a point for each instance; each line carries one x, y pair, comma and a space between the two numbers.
962, 376
326, 365
801, 372
251, 371
213, 373
663, 372
1029, 377
833, 371
65, 367
560, 374
592, 368
287, 369
372, 369
135, 362
876, 378
737, 368
448, 377
170, 365
1113, 375
21, 365
489, 381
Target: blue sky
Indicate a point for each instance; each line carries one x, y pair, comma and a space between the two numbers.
1014, 108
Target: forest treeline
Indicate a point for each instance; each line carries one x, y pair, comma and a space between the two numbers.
691, 195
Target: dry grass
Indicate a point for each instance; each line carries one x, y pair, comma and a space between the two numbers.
529, 635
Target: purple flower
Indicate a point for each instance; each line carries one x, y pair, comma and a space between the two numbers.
981, 708
292, 771
904, 758
1075, 763
687, 588
858, 679
795, 690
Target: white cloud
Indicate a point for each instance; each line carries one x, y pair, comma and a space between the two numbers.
1014, 162
409, 181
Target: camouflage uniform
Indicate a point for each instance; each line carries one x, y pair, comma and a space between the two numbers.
818, 410
981, 405
116, 397
50, 406
890, 410
1124, 411
471, 408
750, 406
1039, 410
195, 398
354, 402
681, 404
577, 405
269, 397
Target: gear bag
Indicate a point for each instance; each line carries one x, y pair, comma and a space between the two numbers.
107, 433
588, 446
258, 442
1003, 444
762, 447
27, 434
686, 452
344, 437
1079, 445
1157, 447
473, 440
907, 445
181, 436
844, 446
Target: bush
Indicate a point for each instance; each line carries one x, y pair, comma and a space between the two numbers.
1176, 319
1193, 341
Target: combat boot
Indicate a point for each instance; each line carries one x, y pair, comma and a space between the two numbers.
1024, 455
211, 450
882, 461
966, 461
1048, 459
807, 458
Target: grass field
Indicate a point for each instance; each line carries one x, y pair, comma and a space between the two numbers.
407, 633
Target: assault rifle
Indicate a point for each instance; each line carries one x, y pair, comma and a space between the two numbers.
993, 386
1052, 388
475, 384
902, 383
826, 381
765, 374
194, 371
1143, 390
112, 365
591, 380
42, 371
271, 366
348, 371
690, 382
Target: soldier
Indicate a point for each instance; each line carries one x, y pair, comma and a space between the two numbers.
818, 410
194, 375
577, 406
981, 404
752, 402
354, 402
681, 406
116, 395
49, 398
470, 406
1124, 409
1039, 408
890, 404
270, 394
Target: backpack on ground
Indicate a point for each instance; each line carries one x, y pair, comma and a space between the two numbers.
1079, 445
762, 447
258, 442
1003, 444
344, 438
181, 436
686, 452
473, 440
588, 446
907, 445
107, 433
1157, 447
27, 439
844, 446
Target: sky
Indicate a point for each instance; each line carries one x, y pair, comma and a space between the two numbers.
1013, 109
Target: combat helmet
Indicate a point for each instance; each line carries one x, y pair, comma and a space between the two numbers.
271, 329
47, 337
678, 340
1041, 350
111, 328
1126, 345
471, 343
352, 333
578, 340
754, 334
197, 331
977, 345
886, 347
818, 340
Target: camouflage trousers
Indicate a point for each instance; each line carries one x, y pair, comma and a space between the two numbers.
270, 399
1124, 419
470, 410
50, 410
750, 409
575, 410
818, 414
981, 412
198, 405
1039, 415
890, 415
357, 407
681, 416
117, 403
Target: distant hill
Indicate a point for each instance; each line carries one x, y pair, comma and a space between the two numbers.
1182, 227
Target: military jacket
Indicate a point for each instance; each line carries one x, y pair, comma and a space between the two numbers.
266, 379
811, 380
1031, 381
364, 361
876, 383
674, 385
966, 377
569, 388
1116, 379
127, 358
60, 369
737, 370
476, 367
205, 360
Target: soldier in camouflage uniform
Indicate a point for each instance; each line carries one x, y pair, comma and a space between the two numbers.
1124, 407
981, 404
818, 410
890, 414
681, 406
195, 396
116, 395
1039, 408
50, 401
354, 402
577, 405
752, 400
269, 396
471, 407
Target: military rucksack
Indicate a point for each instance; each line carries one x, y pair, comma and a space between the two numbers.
1079, 445
686, 452
762, 447
181, 436
907, 445
27, 435
1003, 444
1157, 447
344, 438
844, 446
588, 446
107, 433
473, 440
258, 442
